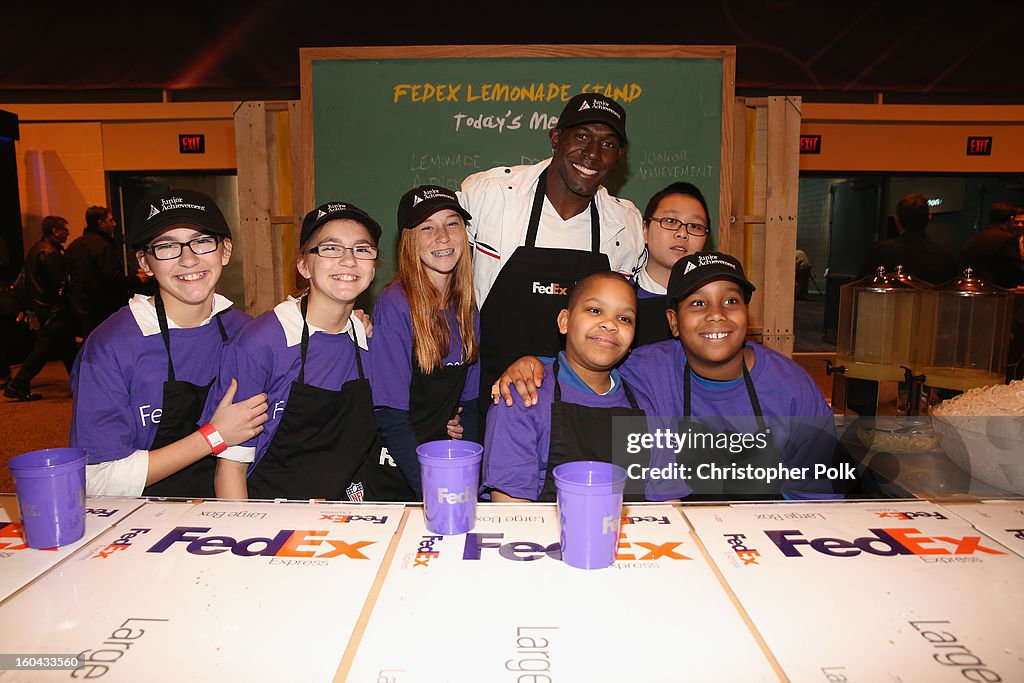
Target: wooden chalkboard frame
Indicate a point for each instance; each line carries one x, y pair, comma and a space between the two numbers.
726, 53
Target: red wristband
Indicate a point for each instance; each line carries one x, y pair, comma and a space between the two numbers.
213, 438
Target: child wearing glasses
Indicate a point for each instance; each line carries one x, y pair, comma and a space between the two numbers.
427, 326
675, 225
310, 355
141, 379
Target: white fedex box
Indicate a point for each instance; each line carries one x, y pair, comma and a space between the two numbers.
216, 591
900, 591
497, 604
20, 564
1002, 520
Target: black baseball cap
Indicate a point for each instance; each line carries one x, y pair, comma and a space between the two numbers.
692, 272
332, 211
160, 211
420, 203
593, 108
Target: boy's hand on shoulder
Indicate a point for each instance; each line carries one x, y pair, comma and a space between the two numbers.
366, 320
526, 374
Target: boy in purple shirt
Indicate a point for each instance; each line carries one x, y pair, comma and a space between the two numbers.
572, 420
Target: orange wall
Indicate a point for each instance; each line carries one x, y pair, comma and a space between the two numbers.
65, 151
912, 138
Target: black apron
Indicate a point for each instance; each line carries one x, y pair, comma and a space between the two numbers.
519, 316
182, 406
651, 322
717, 488
581, 433
324, 437
434, 399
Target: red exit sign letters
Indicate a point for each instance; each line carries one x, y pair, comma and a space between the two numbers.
810, 144
192, 144
979, 146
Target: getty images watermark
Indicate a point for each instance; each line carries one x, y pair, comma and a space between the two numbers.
731, 457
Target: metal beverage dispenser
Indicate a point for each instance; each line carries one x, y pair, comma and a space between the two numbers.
970, 334
878, 345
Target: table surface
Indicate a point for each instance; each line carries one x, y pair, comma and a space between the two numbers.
316, 591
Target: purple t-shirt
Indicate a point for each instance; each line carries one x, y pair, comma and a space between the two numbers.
392, 350
118, 378
801, 423
517, 438
261, 360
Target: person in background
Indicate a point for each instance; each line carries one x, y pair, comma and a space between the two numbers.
310, 356
538, 229
576, 402
97, 285
995, 253
141, 379
921, 257
9, 311
675, 225
44, 277
426, 329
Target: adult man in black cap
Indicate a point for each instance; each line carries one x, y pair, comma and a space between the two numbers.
538, 229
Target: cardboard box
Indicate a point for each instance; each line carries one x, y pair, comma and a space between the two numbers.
20, 564
1002, 520
216, 591
497, 604
872, 592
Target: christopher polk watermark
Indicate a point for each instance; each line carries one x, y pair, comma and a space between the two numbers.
730, 457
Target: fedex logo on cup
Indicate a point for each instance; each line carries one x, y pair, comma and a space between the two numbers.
451, 498
121, 543
552, 288
910, 515
345, 519
285, 543
882, 542
739, 545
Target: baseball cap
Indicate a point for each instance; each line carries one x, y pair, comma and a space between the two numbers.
158, 212
593, 108
332, 211
420, 203
692, 272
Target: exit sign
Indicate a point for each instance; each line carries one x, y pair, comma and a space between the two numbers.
978, 146
191, 144
810, 144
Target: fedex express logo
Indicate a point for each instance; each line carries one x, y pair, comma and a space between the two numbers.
882, 542
345, 519
285, 543
527, 551
911, 515
121, 543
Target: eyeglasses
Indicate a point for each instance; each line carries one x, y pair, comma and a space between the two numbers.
695, 229
165, 251
364, 252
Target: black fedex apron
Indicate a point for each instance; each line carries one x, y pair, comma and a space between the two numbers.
580, 433
519, 316
651, 322
182, 407
718, 488
434, 399
324, 437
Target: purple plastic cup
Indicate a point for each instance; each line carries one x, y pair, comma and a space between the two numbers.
450, 471
589, 511
50, 487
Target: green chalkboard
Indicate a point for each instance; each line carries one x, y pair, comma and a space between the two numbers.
382, 126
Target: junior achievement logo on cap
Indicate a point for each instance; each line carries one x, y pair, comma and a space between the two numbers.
331, 208
433, 193
708, 260
603, 105
172, 203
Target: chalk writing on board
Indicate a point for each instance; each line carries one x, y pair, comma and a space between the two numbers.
507, 92
424, 162
488, 122
671, 163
